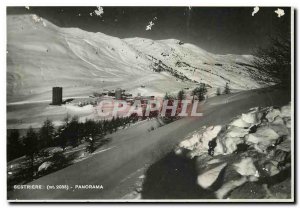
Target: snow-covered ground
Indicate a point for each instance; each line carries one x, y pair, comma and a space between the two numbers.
254, 147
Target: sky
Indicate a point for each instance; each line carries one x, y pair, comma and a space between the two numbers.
221, 30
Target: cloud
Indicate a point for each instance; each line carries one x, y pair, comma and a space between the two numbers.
255, 10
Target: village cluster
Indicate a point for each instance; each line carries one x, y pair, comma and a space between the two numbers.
119, 103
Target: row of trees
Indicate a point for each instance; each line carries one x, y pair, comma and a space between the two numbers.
198, 92
227, 90
71, 133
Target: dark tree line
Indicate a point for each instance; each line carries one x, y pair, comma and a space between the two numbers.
199, 92
71, 133
274, 59
226, 90
181, 95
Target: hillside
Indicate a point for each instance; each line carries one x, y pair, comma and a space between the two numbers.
41, 55
200, 65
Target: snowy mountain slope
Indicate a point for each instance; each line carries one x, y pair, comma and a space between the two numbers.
200, 65
41, 55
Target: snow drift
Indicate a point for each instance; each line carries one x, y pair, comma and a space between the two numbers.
259, 151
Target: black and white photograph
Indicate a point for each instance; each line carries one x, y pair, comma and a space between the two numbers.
150, 104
